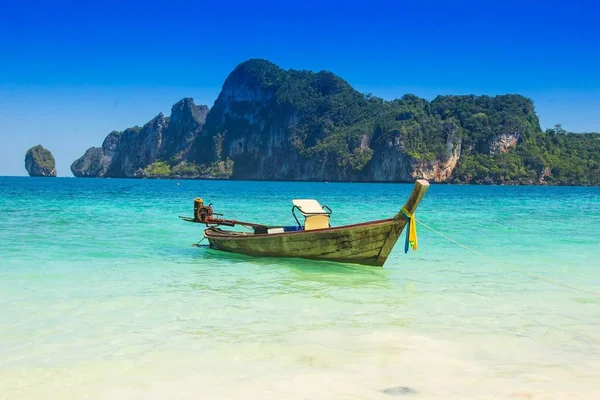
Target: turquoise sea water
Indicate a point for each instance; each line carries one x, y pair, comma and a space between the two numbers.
102, 296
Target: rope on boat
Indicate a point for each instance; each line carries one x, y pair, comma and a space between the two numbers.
198, 244
411, 232
513, 268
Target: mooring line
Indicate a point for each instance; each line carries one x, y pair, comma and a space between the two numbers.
513, 268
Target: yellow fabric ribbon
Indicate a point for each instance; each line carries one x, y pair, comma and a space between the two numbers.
411, 235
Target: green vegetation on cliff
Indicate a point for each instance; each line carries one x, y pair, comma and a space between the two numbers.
158, 169
552, 157
189, 170
271, 123
500, 137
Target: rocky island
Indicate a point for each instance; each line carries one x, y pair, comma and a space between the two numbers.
39, 162
274, 124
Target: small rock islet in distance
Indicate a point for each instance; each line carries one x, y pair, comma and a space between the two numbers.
40, 162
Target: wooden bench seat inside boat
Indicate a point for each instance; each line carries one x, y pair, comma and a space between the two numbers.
315, 216
316, 222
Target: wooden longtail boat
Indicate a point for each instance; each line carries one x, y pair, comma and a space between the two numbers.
368, 243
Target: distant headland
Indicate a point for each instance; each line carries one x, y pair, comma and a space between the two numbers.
40, 162
274, 124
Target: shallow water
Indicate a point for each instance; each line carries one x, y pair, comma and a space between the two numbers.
102, 296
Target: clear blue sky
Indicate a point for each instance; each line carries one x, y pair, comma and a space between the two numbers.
72, 72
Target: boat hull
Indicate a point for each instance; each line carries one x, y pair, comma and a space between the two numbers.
368, 244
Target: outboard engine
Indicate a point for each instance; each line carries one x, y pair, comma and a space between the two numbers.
202, 213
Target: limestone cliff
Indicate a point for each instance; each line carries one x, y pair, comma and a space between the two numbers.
128, 153
259, 124
40, 162
274, 124
504, 142
394, 164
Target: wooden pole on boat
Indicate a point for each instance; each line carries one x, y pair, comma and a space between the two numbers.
410, 206
415, 198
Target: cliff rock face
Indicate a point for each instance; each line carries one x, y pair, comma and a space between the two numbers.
187, 120
440, 170
299, 125
40, 162
128, 153
258, 123
273, 124
92, 164
504, 142
393, 164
